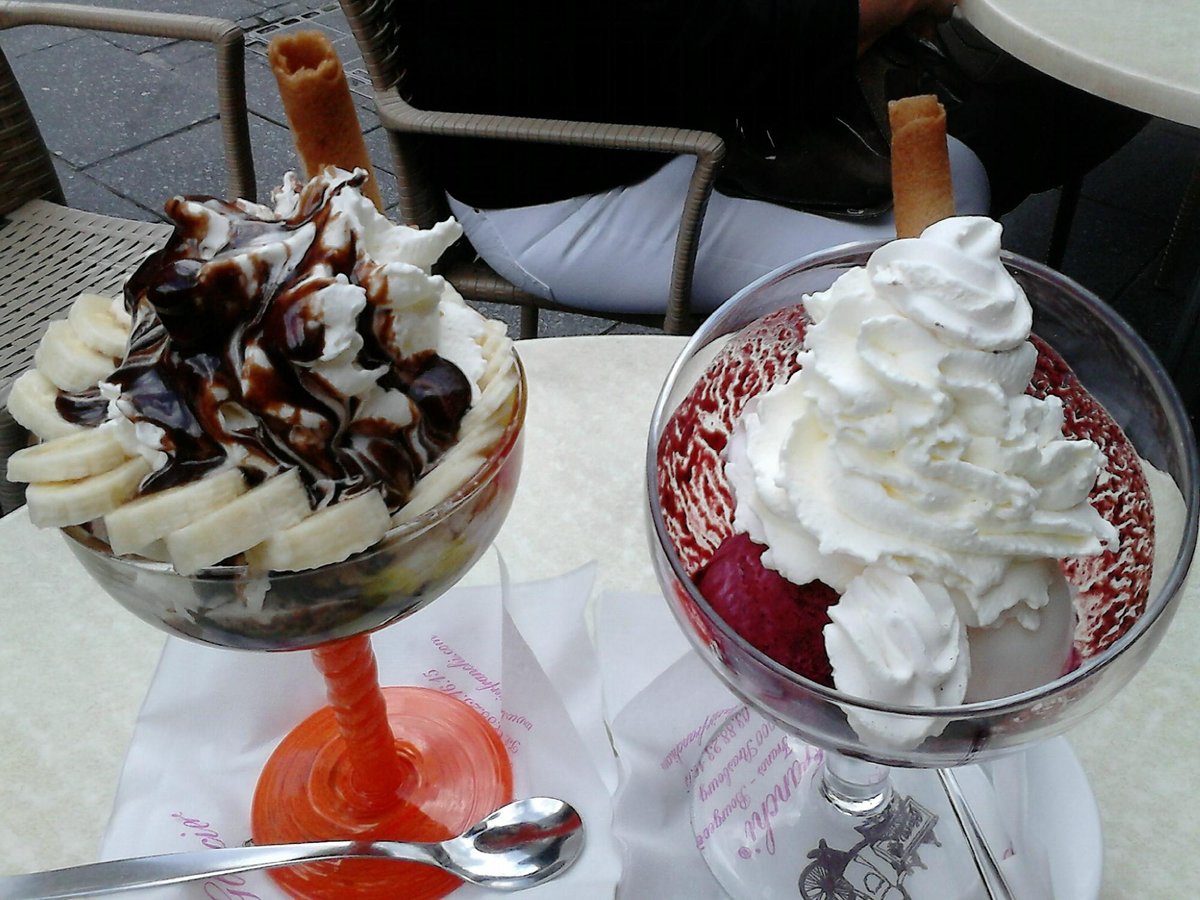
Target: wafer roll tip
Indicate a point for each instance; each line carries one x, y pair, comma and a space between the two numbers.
319, 109
922, 190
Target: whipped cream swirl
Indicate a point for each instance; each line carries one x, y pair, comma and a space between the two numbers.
906, 445
880, 634
311, 335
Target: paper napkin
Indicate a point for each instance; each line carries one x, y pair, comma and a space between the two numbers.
664, 705
520, 651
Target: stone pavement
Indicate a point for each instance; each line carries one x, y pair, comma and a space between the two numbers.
132, 120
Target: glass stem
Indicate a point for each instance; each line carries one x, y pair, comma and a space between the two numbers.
854, 786
352, 686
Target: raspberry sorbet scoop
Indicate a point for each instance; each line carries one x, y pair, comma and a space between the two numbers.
783, 620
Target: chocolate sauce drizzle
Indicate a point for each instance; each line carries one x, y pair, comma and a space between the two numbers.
220, 352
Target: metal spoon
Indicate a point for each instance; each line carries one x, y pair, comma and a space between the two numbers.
519, 845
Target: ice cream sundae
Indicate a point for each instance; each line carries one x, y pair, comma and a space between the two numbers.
895, 490
278, 387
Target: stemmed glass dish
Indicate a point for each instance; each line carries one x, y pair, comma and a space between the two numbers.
853, 789
405, 763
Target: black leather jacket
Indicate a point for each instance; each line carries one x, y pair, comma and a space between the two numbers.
690, 63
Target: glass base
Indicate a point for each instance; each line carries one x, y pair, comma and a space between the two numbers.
454, 771
766, 826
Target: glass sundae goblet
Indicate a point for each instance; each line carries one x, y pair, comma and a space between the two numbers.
851, 817
407, 763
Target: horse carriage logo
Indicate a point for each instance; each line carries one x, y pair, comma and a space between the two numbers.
874, 868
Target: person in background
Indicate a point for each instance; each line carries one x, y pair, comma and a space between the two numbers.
596, 228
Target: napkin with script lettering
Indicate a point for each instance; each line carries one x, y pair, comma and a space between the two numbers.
676, 728
519, 652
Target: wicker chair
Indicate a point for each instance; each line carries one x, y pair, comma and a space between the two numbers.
422, 202
49, 253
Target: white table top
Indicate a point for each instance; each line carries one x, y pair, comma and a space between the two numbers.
74, 666
1141, 54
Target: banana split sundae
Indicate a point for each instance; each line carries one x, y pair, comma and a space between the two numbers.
277, 387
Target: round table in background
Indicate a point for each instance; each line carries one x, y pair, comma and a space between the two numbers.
1140, 54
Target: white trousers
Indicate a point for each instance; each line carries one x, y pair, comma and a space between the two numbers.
611, 252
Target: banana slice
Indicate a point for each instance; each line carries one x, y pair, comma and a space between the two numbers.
327, 536
67, 361
496, 349
53, 504
69, 458
95, 322
32, 402
250, 519
493, 397
141, 522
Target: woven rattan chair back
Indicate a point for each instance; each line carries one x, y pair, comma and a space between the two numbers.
50, 253
423, 202
26, 169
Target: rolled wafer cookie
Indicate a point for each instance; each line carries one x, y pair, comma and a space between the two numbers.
316, 99
921, 187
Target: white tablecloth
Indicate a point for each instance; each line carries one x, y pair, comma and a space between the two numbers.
74, 666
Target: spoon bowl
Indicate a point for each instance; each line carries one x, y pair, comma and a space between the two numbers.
518, 846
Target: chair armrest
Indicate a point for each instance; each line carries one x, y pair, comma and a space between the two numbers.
226, 38
398, 115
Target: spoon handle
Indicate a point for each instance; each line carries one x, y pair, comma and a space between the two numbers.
172, 868
994, 881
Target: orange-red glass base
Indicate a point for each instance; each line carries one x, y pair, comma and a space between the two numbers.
452, 770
